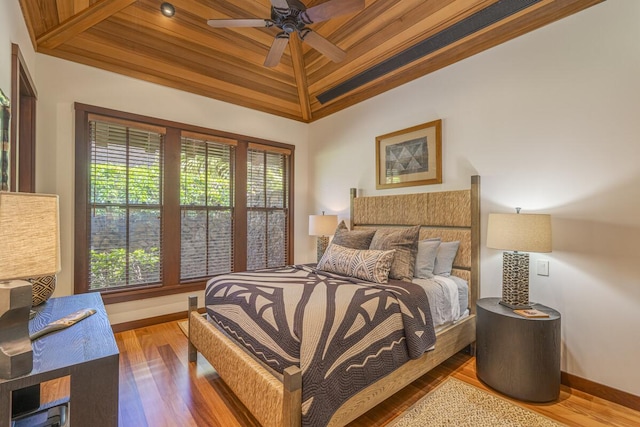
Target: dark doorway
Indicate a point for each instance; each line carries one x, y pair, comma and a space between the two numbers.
23, 125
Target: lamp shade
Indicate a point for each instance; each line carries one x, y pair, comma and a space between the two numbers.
29, 235
322, 225
519, 232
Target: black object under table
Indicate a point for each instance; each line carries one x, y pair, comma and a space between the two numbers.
516, 355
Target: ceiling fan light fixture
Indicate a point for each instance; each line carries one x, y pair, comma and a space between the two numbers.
167, 9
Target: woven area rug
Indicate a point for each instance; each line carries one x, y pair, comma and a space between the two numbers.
184, 327
456, 403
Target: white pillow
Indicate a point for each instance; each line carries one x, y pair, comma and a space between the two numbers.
444, 260
426, 258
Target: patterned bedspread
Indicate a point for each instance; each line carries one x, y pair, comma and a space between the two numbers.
343, 333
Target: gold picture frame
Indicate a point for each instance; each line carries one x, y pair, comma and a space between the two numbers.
411, 156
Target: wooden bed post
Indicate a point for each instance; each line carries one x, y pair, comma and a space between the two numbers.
292, 404
475, 243
193, 306
475, 250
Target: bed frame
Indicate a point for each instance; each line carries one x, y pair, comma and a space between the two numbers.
275, 400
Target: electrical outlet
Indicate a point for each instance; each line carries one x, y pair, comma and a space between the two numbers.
543, 267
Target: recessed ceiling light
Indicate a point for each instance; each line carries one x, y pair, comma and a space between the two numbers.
167, 9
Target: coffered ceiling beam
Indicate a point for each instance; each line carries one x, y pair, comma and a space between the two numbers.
297, 60
81, 22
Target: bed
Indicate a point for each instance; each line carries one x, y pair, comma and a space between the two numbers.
276, 399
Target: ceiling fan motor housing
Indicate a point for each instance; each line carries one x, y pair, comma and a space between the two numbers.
292, 19
292, 16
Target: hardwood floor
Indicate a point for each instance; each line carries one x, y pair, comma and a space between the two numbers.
158, 387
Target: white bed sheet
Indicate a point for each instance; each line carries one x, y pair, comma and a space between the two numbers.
446, 302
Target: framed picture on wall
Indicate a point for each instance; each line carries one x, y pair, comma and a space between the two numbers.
410, 156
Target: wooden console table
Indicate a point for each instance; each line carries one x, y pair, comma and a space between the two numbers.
86, 352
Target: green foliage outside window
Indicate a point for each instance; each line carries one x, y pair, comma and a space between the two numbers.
109, 269
205, 178
109, 184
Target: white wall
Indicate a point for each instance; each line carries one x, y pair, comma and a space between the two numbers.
551, 122
61, 83
13, 30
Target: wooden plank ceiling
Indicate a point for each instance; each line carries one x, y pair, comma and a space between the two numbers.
133, 38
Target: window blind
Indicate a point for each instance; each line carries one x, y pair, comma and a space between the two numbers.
125, 199
206, 203
267, 207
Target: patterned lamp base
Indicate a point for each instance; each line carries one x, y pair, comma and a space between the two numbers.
43, 288
515, 280
323, 242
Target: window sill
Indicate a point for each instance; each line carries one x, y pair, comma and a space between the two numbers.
114, 297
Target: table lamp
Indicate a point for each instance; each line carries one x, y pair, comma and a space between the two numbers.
519, 233
322, 226
29, 247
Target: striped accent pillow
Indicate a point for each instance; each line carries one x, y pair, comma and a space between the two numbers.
372, 266
405, 242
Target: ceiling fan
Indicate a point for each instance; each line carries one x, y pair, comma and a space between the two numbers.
292, 16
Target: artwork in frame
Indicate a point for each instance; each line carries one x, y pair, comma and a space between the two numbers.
5, 115
410, 156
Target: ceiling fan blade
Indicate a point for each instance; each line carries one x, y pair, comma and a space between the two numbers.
229, 23
277, 49
333, 8
280, 4
322, 45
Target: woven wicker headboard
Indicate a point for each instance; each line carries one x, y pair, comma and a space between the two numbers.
450, 215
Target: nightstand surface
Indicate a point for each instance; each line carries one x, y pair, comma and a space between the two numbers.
516, 355
86, 351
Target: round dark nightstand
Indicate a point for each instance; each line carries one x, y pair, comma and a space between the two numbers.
516, 355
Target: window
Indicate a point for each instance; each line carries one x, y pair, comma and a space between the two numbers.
267, 208
126, 207
159, 208
206, 196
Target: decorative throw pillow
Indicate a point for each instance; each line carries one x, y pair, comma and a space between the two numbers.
405, 242
372, 266
354, 239
426, 258
444, 260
